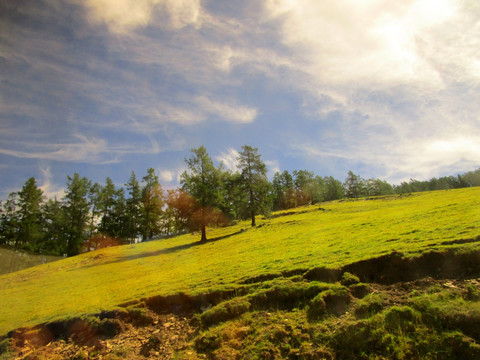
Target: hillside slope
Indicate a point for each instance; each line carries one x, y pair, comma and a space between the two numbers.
331, 235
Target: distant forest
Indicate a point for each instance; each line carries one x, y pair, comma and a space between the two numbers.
92, 215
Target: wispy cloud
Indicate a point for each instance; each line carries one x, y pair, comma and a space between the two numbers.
85, 149
229, 159
227, 111
123, 16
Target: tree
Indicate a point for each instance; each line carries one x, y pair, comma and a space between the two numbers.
152, 204
283, 191
377, 187
202, 182
106, 207
76, 210
333, 189
354, 186
254, 180
309, 188
180, 208
234, 202
10, 221
133, 208
30, 200
53, 228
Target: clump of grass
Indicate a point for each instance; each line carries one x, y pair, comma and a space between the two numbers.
286, 294
359, 290
401, 318
334, 301
275, 294
207, 342
349, 279
472, 293
5, 348
139, 316
370, 305
225, 311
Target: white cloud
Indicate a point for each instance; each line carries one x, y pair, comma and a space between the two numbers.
123, 16
229, 159
360, 43
400, 78
50, 190
86, 149
272, 167
166, 176
226, 111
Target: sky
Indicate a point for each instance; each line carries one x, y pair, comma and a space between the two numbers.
386, 89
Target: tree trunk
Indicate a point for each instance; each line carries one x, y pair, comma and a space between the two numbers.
204, 234
253, 218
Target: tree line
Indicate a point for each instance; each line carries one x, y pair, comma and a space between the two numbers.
91, 215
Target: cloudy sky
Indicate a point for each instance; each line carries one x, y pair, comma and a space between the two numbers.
388, 89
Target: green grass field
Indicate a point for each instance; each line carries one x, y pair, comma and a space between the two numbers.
331, 234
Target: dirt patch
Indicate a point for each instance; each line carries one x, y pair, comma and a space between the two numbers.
395, 267
185, 304
160, 340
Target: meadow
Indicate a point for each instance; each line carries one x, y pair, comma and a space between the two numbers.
330, 234
11, 260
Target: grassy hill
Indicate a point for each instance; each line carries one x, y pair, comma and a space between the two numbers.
331, 235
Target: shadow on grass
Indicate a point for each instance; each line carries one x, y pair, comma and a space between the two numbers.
170, 250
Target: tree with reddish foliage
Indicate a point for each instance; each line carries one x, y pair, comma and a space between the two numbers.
180, 208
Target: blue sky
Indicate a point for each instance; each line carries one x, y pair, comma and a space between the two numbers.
388, 89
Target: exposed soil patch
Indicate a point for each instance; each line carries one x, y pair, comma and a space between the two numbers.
395, 267
165, 335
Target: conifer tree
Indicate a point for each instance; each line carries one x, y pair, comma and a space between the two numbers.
254, 181
76, 211
203, 184
152, 204
30, 200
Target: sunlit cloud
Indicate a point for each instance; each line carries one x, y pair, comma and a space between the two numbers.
229, 159
226, 111
86, 149
122, 16
166, 176
48, 186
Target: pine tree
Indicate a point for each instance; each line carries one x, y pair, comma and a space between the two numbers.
152, 204
30, 200
76, 210
133, 208
253, 173
203, 184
